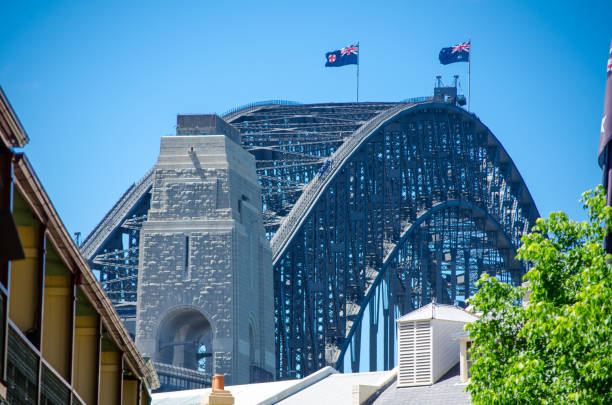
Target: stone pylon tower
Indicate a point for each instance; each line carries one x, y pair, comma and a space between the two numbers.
205, 288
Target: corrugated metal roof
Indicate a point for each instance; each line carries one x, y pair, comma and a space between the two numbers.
439, 311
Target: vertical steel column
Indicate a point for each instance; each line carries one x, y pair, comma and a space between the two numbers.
391, 336
437, 268
425, 268
356, 352
466, 273
386, 321
374, 330
454, 276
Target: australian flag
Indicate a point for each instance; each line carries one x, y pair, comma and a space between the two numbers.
344, 56
457, 53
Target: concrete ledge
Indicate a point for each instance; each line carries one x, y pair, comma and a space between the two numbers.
299, 385
363, 393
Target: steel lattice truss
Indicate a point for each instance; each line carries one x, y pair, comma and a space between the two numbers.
112, 247
373, 209
418, 202
291, 143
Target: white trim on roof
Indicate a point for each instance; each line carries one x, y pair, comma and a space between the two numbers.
439, 311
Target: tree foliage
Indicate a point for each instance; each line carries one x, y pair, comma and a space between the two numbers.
558, 348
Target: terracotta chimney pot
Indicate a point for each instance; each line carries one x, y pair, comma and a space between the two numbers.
218, 395
217, 382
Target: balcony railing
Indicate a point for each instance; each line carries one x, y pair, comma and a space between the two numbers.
22, 370
28, 373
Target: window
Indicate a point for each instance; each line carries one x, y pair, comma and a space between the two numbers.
468, 357
187, 273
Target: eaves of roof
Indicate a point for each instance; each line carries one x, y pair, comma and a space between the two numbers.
11, 130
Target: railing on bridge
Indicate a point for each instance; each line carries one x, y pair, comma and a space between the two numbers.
258, 103
417, 100
174, 378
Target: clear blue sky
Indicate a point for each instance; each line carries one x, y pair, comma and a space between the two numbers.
97, 83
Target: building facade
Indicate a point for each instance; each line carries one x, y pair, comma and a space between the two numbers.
61, 341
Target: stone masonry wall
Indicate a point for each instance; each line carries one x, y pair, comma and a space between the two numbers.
203, 249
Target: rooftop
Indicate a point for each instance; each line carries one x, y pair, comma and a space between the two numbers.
448, 390
439, 311
338, 389
325, 386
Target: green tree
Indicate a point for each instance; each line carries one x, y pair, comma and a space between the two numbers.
558, 348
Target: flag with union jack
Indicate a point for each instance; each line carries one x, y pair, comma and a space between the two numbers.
345, 56
457, 53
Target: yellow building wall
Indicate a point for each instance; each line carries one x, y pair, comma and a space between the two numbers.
96, 375
24, 289
130, 392
57, 332
86, 358
110, 379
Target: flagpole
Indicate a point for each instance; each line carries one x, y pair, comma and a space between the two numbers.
358, 52
469, 74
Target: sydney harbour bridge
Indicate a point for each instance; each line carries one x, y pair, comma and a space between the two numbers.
371, 209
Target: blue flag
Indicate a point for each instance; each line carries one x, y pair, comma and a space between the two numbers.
344, 56
457, 53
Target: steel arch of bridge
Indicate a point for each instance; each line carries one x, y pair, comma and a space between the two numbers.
406, 160
403, 307
338, 174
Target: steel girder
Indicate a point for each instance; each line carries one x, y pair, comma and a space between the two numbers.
343, 235
112, 248
292, 142
438, 257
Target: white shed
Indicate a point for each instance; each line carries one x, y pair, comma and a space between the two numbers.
426, 347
